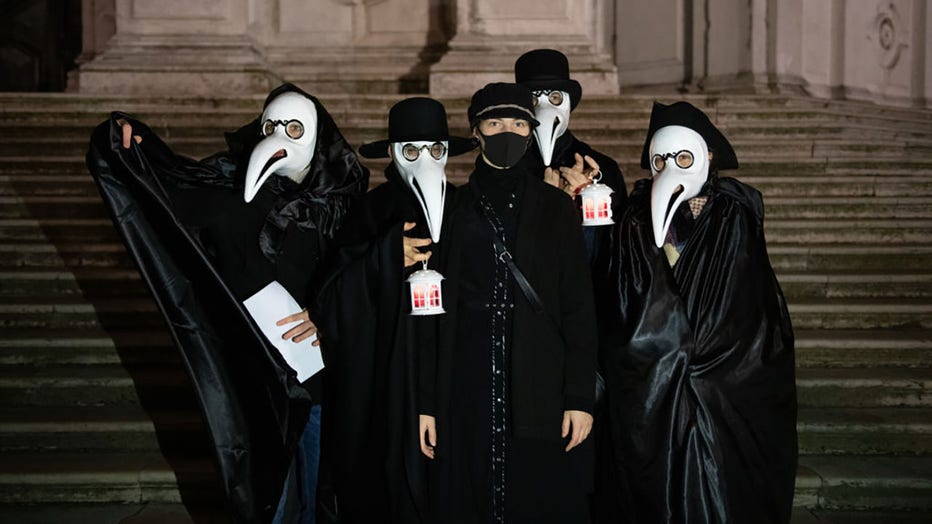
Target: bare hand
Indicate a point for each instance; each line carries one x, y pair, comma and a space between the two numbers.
412, 254
127, 133
579, 175
581, 424
428, 426
302, 331
552, 177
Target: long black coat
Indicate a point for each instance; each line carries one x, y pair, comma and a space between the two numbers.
551, 370
374, 351
253, 405
698, 360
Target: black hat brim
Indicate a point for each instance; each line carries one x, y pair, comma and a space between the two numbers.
687, 115
569, 85
455, 146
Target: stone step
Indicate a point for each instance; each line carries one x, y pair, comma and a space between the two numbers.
850, 313
864, 483
132, 349
848, 257
64, 255
102, 429
863, 348
95, 385
848, 207
70, 313
841, 231
37, 478
865, 431
839, 285
123, 512
875, 386
88, 283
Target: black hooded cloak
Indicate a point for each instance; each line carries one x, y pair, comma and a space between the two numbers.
202, 250
699, 368
375, 353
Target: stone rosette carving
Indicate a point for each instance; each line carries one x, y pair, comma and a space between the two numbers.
889, 34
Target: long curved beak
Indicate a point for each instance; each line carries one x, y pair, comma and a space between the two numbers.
264, 161
430, 191
666, 195
546, 133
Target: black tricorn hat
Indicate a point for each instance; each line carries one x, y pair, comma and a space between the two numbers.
501, 100
416, 120
687, 115
549, 70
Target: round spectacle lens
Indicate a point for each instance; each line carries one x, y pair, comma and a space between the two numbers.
684, 159
437, 150
268, 128
658, 162
556, 98
294, 129
410, 152
534, 100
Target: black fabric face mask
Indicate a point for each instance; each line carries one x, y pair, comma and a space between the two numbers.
504, 150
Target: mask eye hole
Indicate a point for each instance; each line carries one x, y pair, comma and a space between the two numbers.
556, 98
268, 128
294, 129
658, 163
437, 150
684, 159
410, 152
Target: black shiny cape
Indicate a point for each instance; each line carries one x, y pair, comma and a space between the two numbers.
374, 351
253, 405
699, 367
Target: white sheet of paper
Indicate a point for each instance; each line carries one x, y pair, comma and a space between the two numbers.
271, 304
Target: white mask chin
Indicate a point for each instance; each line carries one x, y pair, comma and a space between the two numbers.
427, 178
673, 184
554, 120
280, 153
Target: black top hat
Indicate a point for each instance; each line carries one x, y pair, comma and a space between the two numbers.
687, 115
547, 70
416, 120
501, 100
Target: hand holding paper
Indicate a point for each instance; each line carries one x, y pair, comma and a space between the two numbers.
272, 304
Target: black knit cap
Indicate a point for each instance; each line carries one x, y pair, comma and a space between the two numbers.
547, 70
502, 100
687, 115
417, 119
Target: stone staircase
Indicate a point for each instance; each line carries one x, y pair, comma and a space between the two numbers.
97, 418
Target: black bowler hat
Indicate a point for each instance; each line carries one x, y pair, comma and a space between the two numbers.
687, 115
547, 70
501, 100
417, 120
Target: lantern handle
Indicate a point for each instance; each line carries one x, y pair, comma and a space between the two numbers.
424, 264
598, 176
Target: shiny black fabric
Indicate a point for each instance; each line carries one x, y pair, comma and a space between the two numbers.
372, 348
251, 401
698, 362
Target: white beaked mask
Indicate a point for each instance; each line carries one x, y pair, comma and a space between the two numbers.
421, 165
679, 163
289, 125
552, 110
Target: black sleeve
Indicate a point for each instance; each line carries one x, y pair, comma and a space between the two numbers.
577, 314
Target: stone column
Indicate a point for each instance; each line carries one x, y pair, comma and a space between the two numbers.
362, 46
491, 34
176, 47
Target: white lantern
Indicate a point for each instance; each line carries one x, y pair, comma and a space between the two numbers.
426, 296
597, 203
